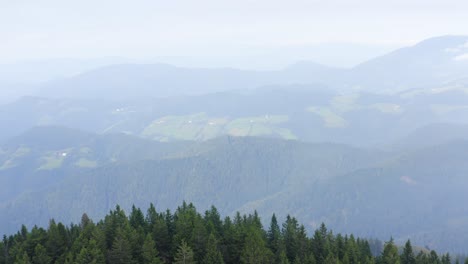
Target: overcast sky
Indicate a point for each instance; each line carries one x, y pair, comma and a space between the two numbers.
219, 28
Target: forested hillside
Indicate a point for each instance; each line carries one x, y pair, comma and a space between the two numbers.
188, 236
53, 172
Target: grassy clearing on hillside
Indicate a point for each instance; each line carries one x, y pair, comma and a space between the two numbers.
86, 163
330, 118
203, 127
53, 161
10, 163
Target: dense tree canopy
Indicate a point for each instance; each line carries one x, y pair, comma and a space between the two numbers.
187, 236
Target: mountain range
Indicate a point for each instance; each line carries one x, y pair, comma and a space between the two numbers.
433, 62
377, 150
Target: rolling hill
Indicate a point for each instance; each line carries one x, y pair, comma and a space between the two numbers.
309, 113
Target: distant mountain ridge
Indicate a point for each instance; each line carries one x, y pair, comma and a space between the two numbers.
434, 61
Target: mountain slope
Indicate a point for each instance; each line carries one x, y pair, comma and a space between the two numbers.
416, 194
353, 190
431, 62
230, 171
43, 156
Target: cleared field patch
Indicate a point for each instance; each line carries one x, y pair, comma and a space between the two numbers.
53, 160
202, 127
86, 163
330, 118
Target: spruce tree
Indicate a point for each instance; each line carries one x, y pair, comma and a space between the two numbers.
310, 259
40, 255
255, 250
90, 254
390, 253
213, 255
184, 254
445, 259
433, 257
120, 252
274, 235
22, 258
290, 237
150, 253
407, 257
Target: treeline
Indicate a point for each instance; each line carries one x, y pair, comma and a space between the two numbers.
187, 236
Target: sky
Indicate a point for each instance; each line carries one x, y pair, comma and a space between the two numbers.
210, 32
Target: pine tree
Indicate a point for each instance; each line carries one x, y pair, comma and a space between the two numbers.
433, 257
22, 258
421, 258
40, 255
232, 241
390, 253
303, 244
213, 255
198, 237
85, 221
274, 234
310, 259
57, 241
150, 253
255, 250
120, 252
184, 254
330, 259
290, 233
161, 236
318, 243
407, 257
2, 253
136, 218
213, 219
445, 259
151, 216
90, 254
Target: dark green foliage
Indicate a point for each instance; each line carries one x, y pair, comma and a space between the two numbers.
120, 252
188, 237
150, 253
40, 255
213, 255
390, 253
255, 250
23, 259
90, 254
408, 256
184, 254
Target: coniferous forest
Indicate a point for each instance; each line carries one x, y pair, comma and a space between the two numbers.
187, 236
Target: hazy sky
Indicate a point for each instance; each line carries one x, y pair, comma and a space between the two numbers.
220, 28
